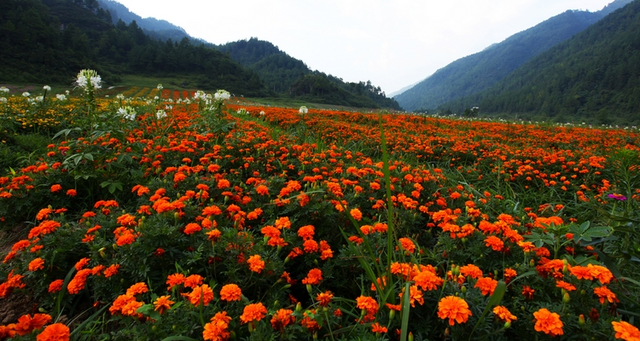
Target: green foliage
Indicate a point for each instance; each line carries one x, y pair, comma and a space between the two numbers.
477, 72
287, 76
591, 77
50, 40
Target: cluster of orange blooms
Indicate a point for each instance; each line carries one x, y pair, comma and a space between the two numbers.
210, 191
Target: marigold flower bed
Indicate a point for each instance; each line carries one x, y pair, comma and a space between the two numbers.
215, 222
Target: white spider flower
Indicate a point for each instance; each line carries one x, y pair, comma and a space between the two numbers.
303, 110
26, 94
199, 95
222, 95
46, 87
160, 114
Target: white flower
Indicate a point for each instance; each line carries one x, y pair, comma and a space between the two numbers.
303, 110
46, 87
242, 111
81, 81
160, 114
120, 96
222, 95
199, 95
155, 98
39, 98
160, 87
127, 112
4, 89
3, 100
26, 94
261, 113
85, 76
95, 81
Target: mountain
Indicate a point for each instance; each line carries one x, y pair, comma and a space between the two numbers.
477, 72
290, 77
159, 29
594, 76
49, 41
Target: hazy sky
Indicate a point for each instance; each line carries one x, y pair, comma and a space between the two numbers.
393, 43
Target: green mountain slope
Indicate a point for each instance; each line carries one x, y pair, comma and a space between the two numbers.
477, 72
49, 41
290, 77
593, 76
158, 29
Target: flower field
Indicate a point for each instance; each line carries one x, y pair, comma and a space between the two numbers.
189, 216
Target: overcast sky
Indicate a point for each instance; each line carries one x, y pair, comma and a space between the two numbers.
393, 43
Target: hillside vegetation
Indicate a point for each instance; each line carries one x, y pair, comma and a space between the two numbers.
593, 76
472, 74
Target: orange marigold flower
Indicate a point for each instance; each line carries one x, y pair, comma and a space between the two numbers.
81, 263
43, 214
56, 188
414, 295
192, 228
174, 279
377, 328
56, 286
36, 264
486, 285
26, 324
78, 281
111, 270
313, 277
356, 214
214, 234
625, 331
256, 264
455, 309
324, 298
504, 314
306, 232
310, 246
509, 274
427, 279
369, 304
282, 318
193, 281
604, 293
230, 292
407, 245
54, 332
495, 243
138, 288
566, 286
211, 210
224, 183
216, 330
527, 292
200, 294
262, 190
163, 303
548, 322
72, 192
471, 270
253, 312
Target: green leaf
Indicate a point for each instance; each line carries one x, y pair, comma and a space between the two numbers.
406, 309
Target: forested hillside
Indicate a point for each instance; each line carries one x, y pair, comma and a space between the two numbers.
593, 76
477, 72
291, 77
159, 29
